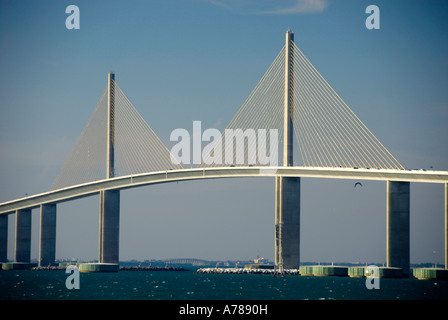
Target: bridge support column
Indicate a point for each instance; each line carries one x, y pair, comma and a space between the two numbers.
3, 238
23, 236
47, 250
287, 222
398, 226
109, 226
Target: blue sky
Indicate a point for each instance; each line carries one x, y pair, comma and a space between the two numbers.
180, 61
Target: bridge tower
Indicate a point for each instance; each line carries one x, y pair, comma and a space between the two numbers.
109, 199
287, 189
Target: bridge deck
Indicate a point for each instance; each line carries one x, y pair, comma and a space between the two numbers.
132, 181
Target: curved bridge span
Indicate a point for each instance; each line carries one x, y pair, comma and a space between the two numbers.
292, 100
144, 179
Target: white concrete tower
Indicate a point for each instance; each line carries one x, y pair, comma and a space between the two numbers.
110, 167
110, 199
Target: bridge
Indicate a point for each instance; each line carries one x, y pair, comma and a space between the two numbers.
292, 103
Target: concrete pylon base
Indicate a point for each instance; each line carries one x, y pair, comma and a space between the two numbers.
109, 226
287, 222
398, 232
17, 265
47, 250
98, 267
23, 236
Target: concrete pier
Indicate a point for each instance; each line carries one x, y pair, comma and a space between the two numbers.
109, 226
398, 235
430, 274
98, 267
330, 271
3, 238
383, 272
47, 249
287, 222
23, 236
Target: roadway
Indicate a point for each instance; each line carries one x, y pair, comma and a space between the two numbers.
133, 181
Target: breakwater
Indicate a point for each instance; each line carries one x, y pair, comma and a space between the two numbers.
337, 271
247, 271
317, 271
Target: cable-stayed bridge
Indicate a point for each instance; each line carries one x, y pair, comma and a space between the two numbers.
311, 133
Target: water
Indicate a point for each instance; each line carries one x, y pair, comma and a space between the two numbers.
188, 285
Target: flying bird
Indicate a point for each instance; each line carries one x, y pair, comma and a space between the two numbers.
358, 183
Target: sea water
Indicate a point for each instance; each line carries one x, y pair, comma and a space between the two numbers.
189, 285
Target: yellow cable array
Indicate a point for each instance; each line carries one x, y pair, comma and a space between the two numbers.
351, 145
262, 118
137, 148
257, 112
331, 112
263, 115
317, 95
86, 161
137, 143
309, 99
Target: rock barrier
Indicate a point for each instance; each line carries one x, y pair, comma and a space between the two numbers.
247, 271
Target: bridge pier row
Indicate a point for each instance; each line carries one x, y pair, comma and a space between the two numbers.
398, 226
23, 236
287, 222
109, 226
47, 249
3, 238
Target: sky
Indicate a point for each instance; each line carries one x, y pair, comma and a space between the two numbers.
184, 60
